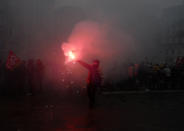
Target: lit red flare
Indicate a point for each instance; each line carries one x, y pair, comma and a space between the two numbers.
71, 55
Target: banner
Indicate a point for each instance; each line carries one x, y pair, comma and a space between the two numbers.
13, 61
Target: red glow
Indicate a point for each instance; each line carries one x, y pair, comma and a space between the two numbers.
70, 51
71, 56
86, 41
90, 40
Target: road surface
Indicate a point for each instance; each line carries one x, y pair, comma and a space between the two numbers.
114, 112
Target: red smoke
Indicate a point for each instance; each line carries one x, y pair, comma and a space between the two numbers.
85, 40
91, 40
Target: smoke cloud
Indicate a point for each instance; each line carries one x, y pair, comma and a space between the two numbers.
92, 40
37, 25
113, 31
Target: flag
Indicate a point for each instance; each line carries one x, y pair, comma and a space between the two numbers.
13, 61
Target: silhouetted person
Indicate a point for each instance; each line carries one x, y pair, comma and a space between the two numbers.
39, 73
31, 75
1, 75
167, 76
93, 81
10, 82
131, 75
22, 76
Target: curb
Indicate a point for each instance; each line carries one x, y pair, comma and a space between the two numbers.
142, 92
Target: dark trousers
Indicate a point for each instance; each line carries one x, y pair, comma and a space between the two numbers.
31, 85
91, 91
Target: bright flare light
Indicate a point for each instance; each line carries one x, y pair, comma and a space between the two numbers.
70, 52
71, 56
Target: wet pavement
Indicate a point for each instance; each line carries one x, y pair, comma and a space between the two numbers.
113, 112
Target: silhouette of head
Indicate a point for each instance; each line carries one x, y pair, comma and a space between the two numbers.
96, 63
30, 62
38, 61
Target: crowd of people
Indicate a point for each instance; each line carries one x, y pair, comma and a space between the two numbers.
26, 78
157, 76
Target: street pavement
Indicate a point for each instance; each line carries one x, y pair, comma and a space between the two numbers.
113, 112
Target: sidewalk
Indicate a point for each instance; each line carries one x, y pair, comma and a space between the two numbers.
142, 92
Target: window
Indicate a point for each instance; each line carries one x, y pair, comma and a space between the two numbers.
176, 40
172, 51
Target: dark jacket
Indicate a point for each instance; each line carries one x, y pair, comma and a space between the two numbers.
94, 75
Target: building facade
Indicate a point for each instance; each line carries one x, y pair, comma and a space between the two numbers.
172, 38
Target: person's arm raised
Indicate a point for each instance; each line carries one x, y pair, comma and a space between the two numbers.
84, 64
